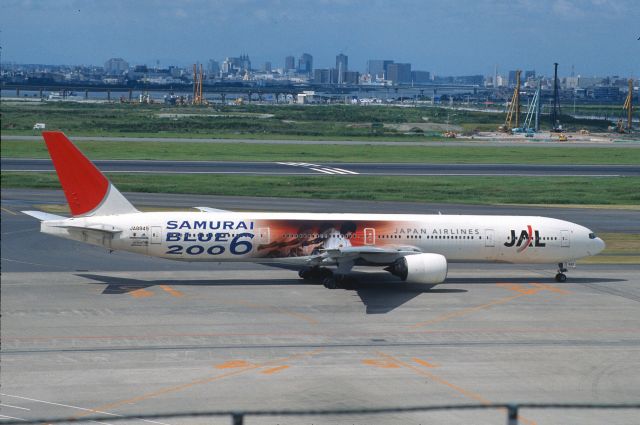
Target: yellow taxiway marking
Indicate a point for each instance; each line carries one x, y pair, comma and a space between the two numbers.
273, 370
233, 364
382, 364
435, 378
195, 382
522, 291
140, 293
551, 288
174, 292
7, 210
424, 363
467, 311
280, 310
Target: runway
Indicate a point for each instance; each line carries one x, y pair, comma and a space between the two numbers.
341, 169
84, 330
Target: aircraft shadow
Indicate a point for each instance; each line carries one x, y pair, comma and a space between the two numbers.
379, 294
122, 285
528, 280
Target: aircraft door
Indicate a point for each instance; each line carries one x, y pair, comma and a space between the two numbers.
156, 234
489, 238
369, 236
565, 239
264, 236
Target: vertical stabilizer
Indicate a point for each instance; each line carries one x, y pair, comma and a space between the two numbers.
87, 190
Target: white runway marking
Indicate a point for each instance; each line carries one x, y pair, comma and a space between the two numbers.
76, 407
319, 168
13, 407
11, 417
346, 171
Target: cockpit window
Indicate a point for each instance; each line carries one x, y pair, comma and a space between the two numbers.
592, 236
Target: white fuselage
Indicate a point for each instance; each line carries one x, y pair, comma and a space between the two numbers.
294, 237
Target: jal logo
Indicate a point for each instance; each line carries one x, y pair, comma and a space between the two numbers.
527, 238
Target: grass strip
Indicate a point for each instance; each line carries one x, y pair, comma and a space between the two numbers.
335, 153
475, 190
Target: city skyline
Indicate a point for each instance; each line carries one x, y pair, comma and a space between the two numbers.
596, 37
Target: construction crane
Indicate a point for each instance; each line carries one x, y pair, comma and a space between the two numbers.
628, 105
532, 111
556, 127
514, 107
197, 85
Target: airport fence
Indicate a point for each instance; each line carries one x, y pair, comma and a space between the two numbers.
512, 411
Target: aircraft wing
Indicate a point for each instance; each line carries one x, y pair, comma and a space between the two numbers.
364, 254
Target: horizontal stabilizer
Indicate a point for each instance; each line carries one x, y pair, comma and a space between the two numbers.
43, 216
207, 209
104, 228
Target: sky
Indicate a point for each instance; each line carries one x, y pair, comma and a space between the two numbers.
446, 37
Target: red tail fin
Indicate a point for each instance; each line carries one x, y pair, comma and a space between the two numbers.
86, 188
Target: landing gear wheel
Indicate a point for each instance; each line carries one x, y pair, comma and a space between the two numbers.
306, 274
561, 277
330, 282
315, 273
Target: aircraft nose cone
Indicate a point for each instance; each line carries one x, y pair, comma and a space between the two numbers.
597, 246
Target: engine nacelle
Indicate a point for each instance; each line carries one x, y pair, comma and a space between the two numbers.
420, 268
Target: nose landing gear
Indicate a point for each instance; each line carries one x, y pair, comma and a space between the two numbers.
562, 269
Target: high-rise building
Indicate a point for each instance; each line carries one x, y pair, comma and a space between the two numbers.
529, 74
267, 67
378, 68
420, 77
322, 76
350, 77
236, 65
342, 66
476, 80
305, 64
116, 66
244, 62
213, 68
399, 73
512, 79
289, 64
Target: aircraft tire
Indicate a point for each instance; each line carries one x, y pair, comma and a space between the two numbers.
561, 277
330, 282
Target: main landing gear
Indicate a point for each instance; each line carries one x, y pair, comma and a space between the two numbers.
561, 276
328, 278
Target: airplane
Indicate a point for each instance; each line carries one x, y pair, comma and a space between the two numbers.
324, 247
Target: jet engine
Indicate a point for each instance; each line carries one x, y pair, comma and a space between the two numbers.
420, 268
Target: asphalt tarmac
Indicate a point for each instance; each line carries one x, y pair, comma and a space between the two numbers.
84, 330
344, 169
